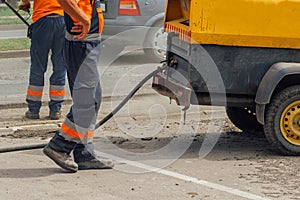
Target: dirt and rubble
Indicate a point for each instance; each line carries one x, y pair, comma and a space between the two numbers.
239, 160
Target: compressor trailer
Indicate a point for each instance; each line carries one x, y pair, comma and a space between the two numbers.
242, 54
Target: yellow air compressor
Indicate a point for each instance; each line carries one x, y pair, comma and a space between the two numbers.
241, 54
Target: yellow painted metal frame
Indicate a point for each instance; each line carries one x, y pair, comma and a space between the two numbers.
258, 23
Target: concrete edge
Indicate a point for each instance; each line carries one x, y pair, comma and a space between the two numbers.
7, 27
13, 129
14, 54
69, 101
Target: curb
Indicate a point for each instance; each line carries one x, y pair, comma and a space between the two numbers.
24, 105
7, 27
69, 101
13, 129
14, 54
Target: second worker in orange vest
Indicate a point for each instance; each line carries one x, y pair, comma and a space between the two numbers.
47, 33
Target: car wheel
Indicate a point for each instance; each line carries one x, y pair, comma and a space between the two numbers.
156, 43
282, 124
244, 119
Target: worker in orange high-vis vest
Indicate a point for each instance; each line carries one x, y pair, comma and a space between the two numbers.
84, 23
47, 33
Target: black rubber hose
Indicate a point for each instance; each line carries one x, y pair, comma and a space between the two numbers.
16, 13
127, 98
105, 119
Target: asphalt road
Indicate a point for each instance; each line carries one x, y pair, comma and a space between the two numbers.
13, 31
117, 78
156, 155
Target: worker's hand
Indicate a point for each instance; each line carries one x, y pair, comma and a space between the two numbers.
24, 5
82, 28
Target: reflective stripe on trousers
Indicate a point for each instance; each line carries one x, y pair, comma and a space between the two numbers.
34, 93
82, 58
47, 34
57, 92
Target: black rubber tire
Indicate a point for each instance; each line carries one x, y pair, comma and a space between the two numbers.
244, 119
150, 45
272, 120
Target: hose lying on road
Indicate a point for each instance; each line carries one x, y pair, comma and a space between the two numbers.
104, 120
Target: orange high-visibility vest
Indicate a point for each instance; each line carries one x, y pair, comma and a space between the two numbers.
91, 8
42, 8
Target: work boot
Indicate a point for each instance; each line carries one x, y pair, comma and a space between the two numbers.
31, 115
54, 115
85, 157
62, 159
95, 163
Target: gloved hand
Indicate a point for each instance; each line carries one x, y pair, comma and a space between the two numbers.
24, 5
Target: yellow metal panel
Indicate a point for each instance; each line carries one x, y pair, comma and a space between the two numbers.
264, 23
173, 10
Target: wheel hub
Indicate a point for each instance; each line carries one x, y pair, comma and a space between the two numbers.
290, 123
159, 42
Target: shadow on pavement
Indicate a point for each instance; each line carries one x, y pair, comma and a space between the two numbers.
29, 172
230, 146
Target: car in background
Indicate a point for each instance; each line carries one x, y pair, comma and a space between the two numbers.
145, 16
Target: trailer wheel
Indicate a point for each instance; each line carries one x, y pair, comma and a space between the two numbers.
244, 119
282, 124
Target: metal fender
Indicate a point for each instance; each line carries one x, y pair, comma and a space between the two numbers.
268, 84
154, 19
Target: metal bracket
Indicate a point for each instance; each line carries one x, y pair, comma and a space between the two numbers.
184, 113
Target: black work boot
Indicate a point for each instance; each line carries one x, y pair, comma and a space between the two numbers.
86, 158
54, 115
59, 150
96, 163
62, 159
31, 115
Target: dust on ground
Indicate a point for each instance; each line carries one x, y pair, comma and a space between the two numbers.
25, 134
278, 176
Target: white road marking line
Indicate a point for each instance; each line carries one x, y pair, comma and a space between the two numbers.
211, 185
